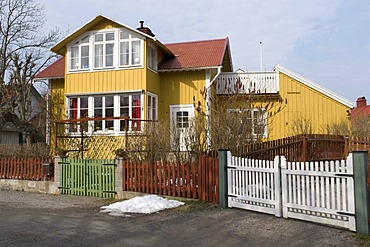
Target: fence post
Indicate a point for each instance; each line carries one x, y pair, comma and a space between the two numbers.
304, 149
57, 160
119, 177
223, 157
279, 161
360, 172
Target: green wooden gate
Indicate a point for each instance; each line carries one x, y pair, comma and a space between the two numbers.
85, 177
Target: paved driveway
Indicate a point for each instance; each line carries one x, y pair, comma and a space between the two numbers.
29, 219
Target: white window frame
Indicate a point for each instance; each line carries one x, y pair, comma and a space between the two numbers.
150, 98
116, 50
131, 39
253, 110
104, 44
116, 111
152, 57
77, 44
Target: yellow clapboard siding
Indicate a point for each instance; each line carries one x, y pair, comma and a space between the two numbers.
180, 88
307, 104
106, 81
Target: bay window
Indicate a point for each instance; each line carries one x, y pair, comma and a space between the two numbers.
105, 106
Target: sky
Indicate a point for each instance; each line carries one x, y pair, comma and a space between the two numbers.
325, 41
140, 205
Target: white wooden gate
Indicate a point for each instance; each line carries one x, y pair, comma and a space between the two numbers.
321, 192
254, 185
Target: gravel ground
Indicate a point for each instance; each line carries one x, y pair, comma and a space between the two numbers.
32, 219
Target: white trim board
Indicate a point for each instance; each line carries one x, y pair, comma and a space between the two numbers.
314, 86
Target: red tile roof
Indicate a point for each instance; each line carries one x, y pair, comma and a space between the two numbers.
55, 70
188, 55
196, 54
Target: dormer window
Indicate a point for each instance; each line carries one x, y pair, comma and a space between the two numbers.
106, 49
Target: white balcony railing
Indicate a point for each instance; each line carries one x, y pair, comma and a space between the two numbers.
247, 83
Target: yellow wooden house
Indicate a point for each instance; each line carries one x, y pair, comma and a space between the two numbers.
108, 70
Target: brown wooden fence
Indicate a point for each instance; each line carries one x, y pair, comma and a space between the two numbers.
187, 180
299, 148
307, 148
23, 168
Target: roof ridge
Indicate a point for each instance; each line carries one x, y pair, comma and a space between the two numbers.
197, 41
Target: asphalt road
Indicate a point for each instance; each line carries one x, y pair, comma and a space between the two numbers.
31, 219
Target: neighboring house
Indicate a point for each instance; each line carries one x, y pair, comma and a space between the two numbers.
360, 118
108, 69
11, 134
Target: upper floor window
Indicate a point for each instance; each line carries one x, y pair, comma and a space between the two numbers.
130, 49
112, 48
79, 54
103, 50
152, 57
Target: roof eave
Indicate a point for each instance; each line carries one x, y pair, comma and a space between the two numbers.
315, 86
188, 69
48, 78
58, 48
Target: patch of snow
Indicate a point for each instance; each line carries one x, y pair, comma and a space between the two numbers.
140, 205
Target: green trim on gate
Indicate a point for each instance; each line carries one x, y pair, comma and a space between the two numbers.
86, 177
360, 172
222, 172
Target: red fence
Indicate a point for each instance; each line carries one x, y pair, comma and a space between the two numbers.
197, 181
23, 168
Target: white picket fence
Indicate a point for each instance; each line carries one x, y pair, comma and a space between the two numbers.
321, 192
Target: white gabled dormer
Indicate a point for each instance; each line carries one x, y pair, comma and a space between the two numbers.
117, 48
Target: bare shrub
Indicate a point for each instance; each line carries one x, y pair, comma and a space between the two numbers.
37, 150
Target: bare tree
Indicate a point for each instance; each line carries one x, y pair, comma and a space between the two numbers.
23, 53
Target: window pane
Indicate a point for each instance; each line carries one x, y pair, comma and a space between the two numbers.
98, 56
109, 54
124, 53
109, 36
85, 40
98, 102
74, 57
85, 57
124, 35
136, 52
98, 37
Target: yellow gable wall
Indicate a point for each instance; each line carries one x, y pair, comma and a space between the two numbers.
305, 103
180, 88
105, 24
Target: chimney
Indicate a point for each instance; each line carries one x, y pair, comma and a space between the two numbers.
145, 30
361, 102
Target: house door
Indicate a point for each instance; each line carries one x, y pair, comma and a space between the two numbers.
181, 116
